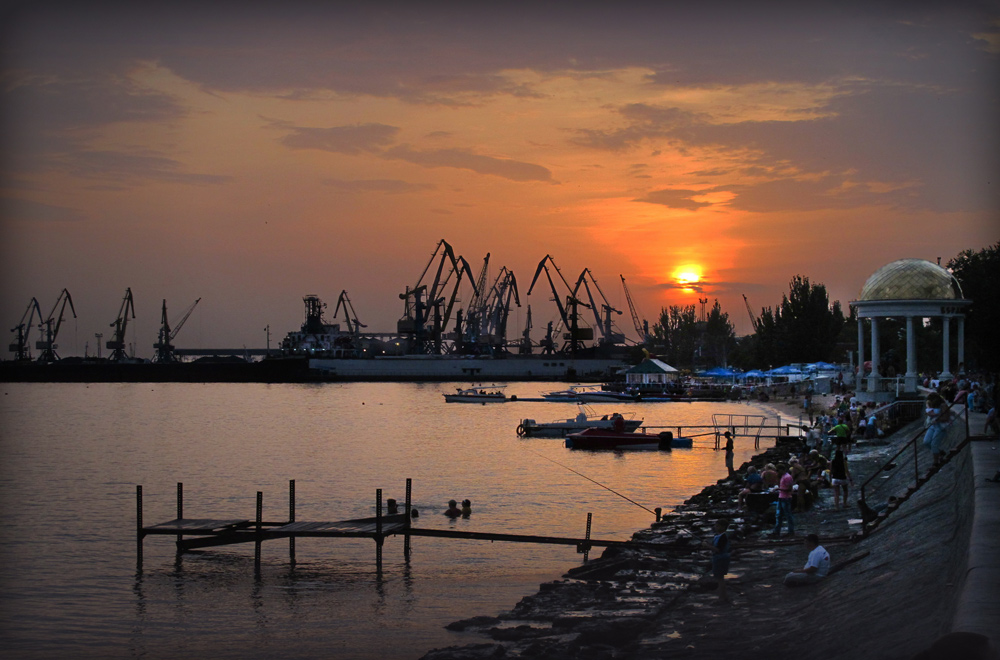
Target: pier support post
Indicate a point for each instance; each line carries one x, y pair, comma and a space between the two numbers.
139, 534
256, 544
291, 519
180, 512
378, 530
406, 536
586, 547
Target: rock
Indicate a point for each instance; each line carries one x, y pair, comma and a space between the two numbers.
518, 633
469, 652
614, 632
474, 622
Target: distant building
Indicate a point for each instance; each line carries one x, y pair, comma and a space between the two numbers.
650, 372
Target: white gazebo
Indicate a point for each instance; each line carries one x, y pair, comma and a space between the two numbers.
911, 289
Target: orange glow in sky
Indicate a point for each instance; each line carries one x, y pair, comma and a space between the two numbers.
251, 161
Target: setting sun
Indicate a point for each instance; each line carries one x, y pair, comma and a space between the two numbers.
687, 274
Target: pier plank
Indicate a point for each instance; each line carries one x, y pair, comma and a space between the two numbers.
196, 526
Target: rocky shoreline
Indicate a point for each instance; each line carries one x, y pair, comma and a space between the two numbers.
890, 595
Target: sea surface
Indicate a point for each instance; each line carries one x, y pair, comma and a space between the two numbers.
71, 456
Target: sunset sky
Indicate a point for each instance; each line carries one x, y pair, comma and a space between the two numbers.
249, 154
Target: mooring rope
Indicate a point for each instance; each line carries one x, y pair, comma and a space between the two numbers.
591, 480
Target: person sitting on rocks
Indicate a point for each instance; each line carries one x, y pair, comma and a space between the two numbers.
817, 565
800, 479
754, 484
871, 428
770, 476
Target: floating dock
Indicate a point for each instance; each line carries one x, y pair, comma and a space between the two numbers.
196, 533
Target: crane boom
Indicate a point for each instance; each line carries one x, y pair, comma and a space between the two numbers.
639, 326
180, 324
164, 349
117, 345
754, 323
21, 348
353, 324
48, 345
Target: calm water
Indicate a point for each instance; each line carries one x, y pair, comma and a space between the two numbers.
71, 456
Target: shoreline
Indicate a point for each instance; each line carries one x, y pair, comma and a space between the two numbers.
891, 595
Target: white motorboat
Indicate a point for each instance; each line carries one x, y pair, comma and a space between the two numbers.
585, 419
572, 394
481, 394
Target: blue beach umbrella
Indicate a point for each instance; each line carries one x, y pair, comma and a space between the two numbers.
784, 371
719, 372
753, 373
821, 366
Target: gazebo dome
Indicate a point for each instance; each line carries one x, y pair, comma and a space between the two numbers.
911, 279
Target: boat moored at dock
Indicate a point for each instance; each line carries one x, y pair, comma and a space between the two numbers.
603, 439
585, 419
481, 394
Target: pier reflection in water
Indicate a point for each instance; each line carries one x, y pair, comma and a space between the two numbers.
72, 455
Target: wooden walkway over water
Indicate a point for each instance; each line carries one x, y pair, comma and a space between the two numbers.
196, 533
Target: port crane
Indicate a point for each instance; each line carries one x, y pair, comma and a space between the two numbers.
428, 302
568, 314
117, 345
493, 316
641, 328
21, 348
51, 326
164, 349
608, 336
524, 347
754, 323
350, 316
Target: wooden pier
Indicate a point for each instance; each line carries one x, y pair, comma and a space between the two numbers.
196, 533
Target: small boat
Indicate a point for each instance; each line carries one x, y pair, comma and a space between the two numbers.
585, 419
606, 396
491, 394
609, 439
572, 394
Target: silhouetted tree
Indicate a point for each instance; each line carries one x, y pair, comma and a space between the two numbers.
677, 333
804, 328
720, 336
978, 272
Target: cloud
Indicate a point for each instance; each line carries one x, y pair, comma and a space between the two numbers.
133, 167
378, 185
352, 139
60, 104
25, 210
463, 159
674, 198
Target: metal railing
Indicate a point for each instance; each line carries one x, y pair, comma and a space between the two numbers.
888, 476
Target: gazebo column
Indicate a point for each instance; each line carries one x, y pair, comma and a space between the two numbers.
910, 382
946, 348
961, 344
873, 380
861, 355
